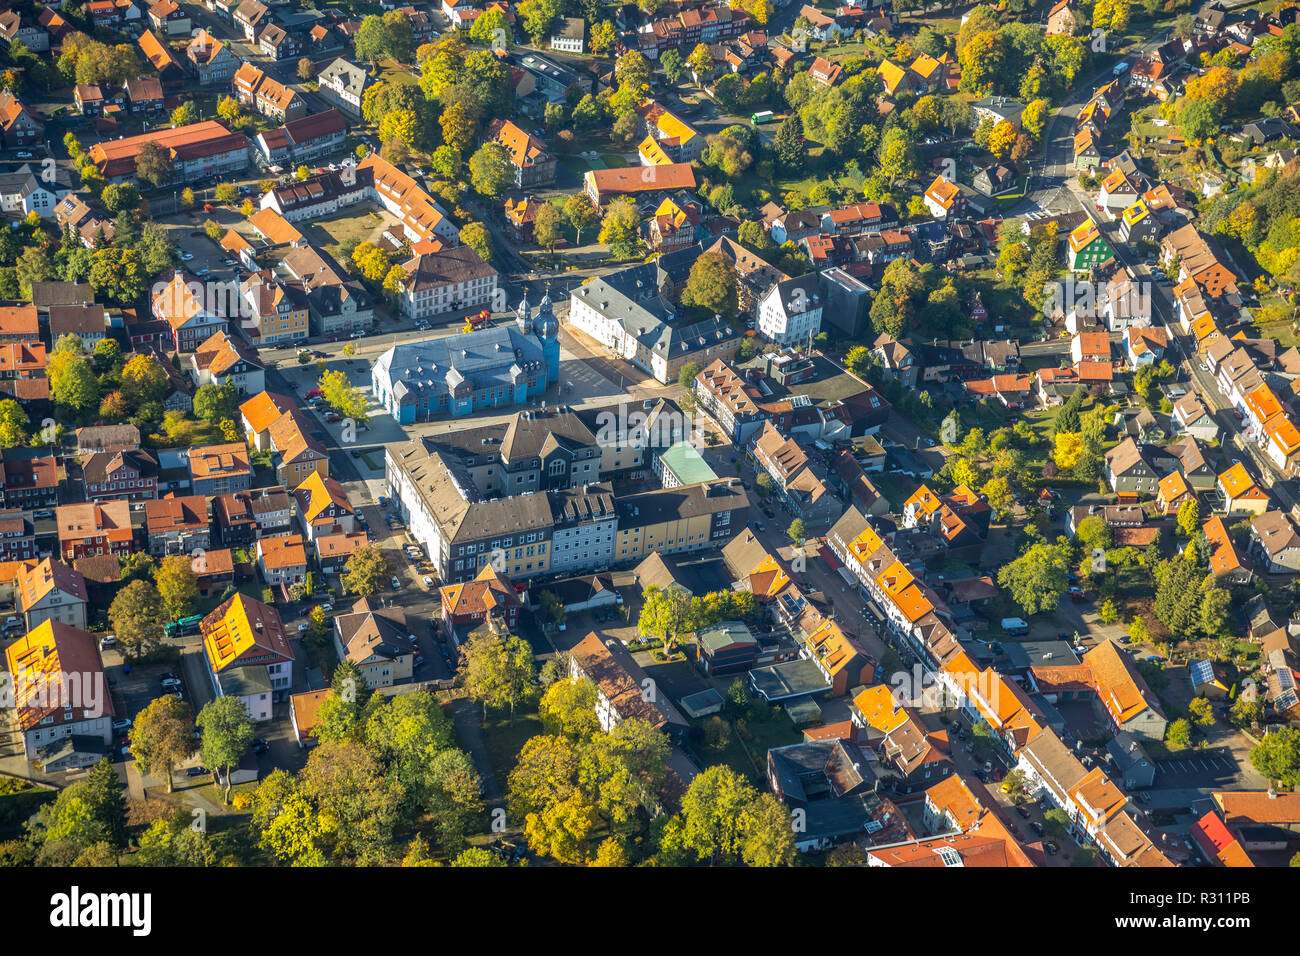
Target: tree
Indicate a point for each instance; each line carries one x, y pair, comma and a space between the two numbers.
618, 228
568, 708
178, 586
214, 403
548, 226
1178, 735
120, 197
664, 612
498, 671
789, 145
1201, 712
13, 424
490, 171
227, 732
476, 236
797, 532
537, 16
713, 814
346, 709
185, 114
367, 571
226, 193
73, 384
339, 392
138, 616
1036, 579
768, 837
581, 213
1277, 756
701, 63
144, 380
673, 66
117, 274
711, 286
1246, 713
162, 736
1068, 450
732, 151
1189, 518
306, 71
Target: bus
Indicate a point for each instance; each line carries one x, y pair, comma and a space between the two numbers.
766, 116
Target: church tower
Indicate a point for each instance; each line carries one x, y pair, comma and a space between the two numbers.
547, 328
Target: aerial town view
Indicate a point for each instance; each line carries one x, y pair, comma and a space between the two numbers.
674, 433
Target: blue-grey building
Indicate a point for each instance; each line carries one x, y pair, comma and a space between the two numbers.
460, 374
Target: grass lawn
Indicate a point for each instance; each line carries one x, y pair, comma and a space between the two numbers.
748, 742
390, 71
505, 738
331, 234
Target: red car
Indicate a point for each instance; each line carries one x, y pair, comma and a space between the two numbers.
313, 393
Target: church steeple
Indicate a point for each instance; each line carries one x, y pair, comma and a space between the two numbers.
524, 316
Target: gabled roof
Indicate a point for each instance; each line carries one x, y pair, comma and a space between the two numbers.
242, 628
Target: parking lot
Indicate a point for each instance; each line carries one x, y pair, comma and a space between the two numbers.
1210, 768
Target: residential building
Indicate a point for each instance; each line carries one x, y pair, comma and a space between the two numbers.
323, 507
131, 474
282, 560
91, 529
50, 590
343, 84
376, 640
248, 654
219, 469
211, 61
620, 684
60, 696
178, 525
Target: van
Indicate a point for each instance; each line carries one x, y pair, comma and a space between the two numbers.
1015, 625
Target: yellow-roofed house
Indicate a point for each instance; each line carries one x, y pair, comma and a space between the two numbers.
248, 654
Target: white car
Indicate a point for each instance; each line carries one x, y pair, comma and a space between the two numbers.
327, 608
186, 256
428, 583
24, 155
397, 583
302, 627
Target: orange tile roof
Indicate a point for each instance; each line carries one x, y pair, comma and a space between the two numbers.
274, 227
1121, 688
1236, 481
879, 710
212, 461
287, 551
264, 408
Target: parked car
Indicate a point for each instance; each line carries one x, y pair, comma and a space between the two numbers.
428, 582
260, 746
397, 583
121, 724
327, 608
195, 771
108, 640
332, 417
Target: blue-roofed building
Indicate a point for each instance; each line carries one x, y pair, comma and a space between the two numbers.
461, 374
